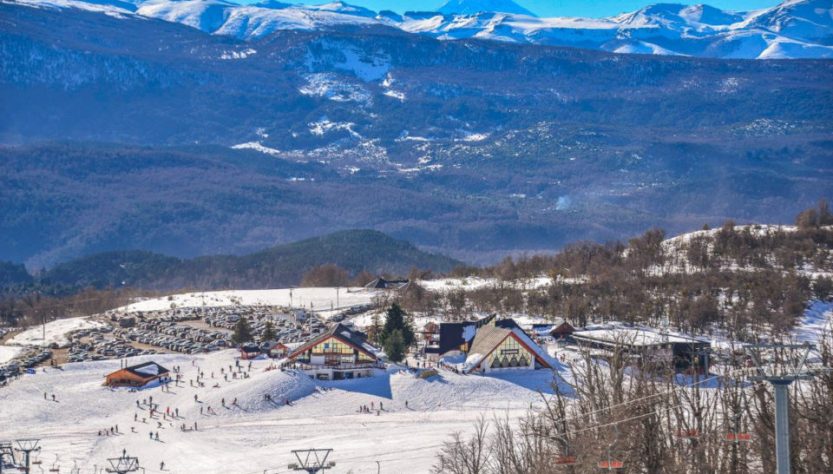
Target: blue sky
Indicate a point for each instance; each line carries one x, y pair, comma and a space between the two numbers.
591, 8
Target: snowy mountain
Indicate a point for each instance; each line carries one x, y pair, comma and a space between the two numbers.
472, 7
793, 29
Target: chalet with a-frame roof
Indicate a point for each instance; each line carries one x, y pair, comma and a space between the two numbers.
503, 345
340, 353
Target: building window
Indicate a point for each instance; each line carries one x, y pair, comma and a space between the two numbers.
510, 353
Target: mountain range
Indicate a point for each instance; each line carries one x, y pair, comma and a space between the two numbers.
119, 131
792, 29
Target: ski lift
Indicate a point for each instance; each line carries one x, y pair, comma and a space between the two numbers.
736, 434
738, 437
55, 466
565, 460
687, 433
611, 464
566, 457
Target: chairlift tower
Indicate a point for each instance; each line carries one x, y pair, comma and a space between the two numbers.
6, 455
27, 446
123, 464
781, 365
312, 461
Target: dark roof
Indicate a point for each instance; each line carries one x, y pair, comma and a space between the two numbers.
451, 334
147, 369
355, 338
381, 283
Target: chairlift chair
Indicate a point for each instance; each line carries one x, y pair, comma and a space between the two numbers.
735, 434
688, 433
565, 460
567, 457
611, 465
734, 437
55, 466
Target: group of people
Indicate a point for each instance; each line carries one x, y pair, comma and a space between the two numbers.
113, 430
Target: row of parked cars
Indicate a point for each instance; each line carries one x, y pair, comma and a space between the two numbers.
177, 337
27, 359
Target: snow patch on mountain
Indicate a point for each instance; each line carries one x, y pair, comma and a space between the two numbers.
331, 87
257, 146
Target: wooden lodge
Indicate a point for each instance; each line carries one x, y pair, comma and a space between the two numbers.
137, 375
340, 353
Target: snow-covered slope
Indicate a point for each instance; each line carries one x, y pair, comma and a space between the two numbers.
255, 434
793, 29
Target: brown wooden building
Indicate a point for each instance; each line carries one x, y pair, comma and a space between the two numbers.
137, 375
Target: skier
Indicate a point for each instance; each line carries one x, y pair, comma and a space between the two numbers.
162, 466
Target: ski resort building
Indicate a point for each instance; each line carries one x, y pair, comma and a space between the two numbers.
456, 338
560, 329
340, 353
137, 375
647, 345
383, 284
505, 348
489, 344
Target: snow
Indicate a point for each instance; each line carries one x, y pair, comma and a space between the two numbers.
238, 54
638, 336
148, 370
476, 283
330, 86
258, 434
8, 353
257, 146
469, 332
793, 29
324, 125
322, 299
56, 332
817, 321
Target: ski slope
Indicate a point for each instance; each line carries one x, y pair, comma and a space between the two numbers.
55, 332
316, 299
257, 434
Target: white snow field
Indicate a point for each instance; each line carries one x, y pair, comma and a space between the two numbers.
257, 434
8, 353
56, 332
324, 299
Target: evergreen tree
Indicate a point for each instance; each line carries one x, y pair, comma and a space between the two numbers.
374, 331
396, 320
395, 346
268, 332
242, 332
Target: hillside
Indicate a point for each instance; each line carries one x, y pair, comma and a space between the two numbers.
376, 128
793, 29
277, 267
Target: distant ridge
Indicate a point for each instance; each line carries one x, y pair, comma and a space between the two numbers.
277, 267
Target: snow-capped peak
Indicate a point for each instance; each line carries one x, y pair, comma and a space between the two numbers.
793, 29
